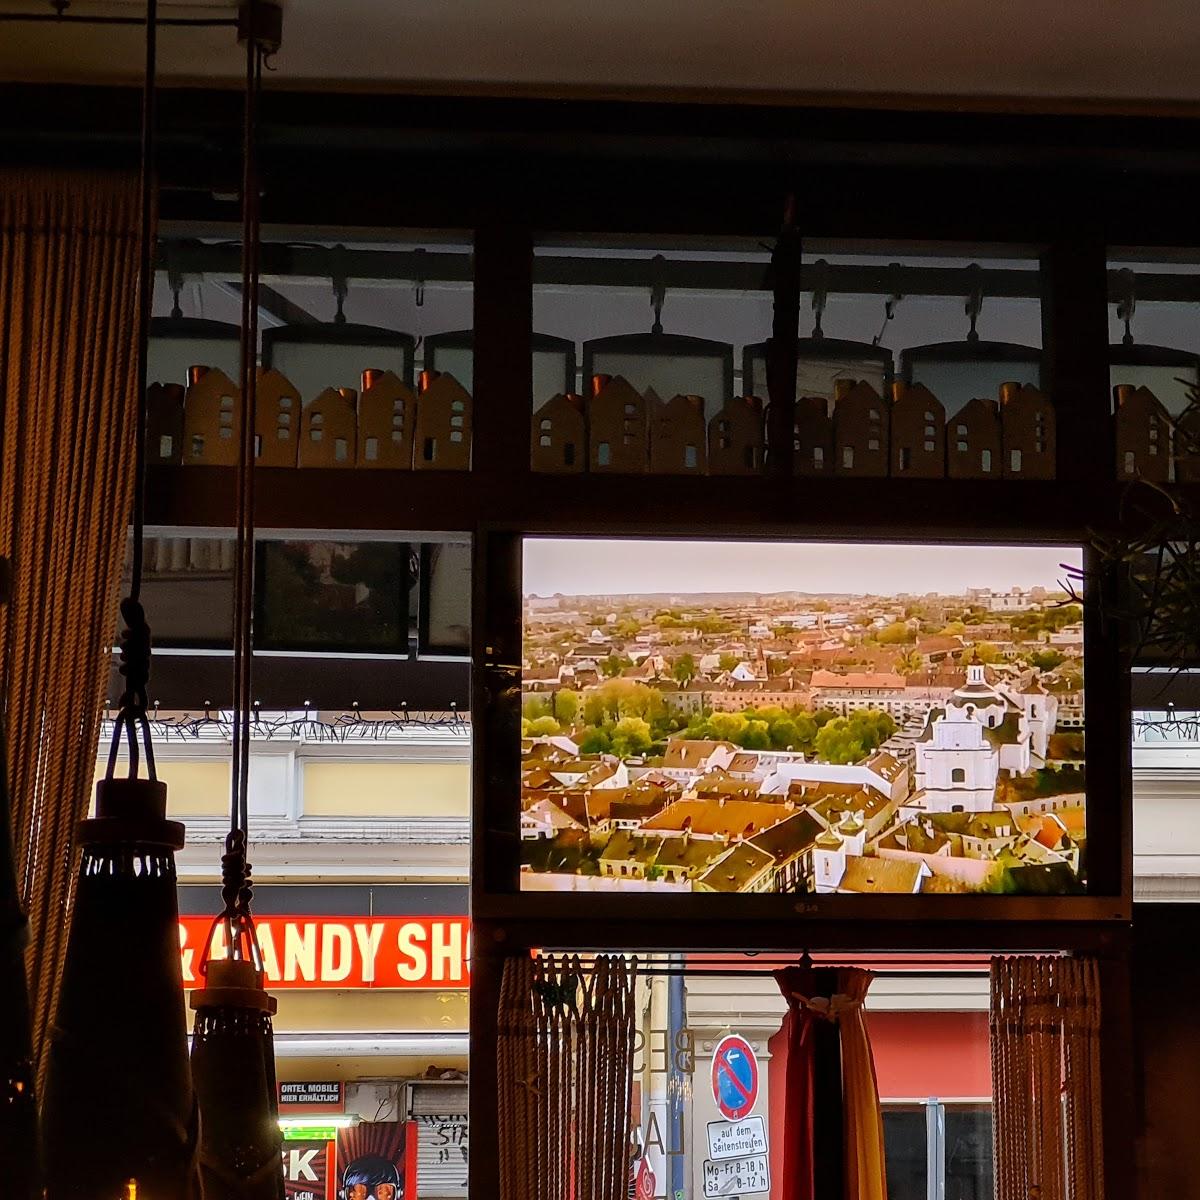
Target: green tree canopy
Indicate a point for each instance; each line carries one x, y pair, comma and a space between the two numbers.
1046, 660
896, 634
631, 735
595, 741
684, 669
614, 664
543, 727
566, 706
849, 739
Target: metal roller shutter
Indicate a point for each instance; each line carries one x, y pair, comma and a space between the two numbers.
440, 1111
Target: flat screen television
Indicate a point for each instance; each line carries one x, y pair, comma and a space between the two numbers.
804, 717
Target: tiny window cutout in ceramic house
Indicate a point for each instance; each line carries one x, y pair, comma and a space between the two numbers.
210, 408
386, 421
560, 435
443, 424
617, 426
164, 423
329, 429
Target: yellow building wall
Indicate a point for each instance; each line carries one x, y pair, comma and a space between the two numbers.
198, 788
371, 1010
358, 789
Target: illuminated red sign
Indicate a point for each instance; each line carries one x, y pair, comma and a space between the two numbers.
347, 952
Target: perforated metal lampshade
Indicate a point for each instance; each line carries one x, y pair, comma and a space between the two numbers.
1165, 371
672, 364
332, 355
453, 353
179, 343
119, 1103
956, 372
820, 363
233, 1065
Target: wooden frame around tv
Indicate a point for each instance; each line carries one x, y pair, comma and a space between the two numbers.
496, 697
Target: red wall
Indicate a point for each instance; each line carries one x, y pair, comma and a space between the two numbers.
918, 1055
923, 1054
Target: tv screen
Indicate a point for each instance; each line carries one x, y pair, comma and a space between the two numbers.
334, 596
801, 717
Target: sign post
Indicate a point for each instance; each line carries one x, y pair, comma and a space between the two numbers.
738, 1165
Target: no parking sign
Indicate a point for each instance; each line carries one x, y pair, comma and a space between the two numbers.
734, 1077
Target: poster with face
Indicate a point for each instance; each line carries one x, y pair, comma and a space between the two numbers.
377, 1161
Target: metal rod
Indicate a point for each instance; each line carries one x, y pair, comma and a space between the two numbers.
741, 973
244, 577
65, 19
308, 262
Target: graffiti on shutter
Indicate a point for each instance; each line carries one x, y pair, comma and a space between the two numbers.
440, 1112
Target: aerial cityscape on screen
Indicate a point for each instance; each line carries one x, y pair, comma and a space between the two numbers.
816, 717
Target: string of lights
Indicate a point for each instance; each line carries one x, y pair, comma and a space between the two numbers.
1167, 725
303, 725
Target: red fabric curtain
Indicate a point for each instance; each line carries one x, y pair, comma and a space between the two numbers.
833, 1131
798, 1146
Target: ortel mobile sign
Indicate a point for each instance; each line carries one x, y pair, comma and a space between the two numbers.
346, 952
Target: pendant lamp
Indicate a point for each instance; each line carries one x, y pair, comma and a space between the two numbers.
178, 343
956, 372
119, 1033
233, 1054
453, 353
181, 350
667, 364
1166, 372
821, 361
18, 1106
334, 354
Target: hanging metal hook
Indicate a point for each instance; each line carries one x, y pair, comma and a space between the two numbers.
658, 290
1127, 302
174, 279
974, 304
341, 285
820, 296
890, 304
419, 277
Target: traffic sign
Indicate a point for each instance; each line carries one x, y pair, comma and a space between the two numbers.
734, 1077
737, 1176
737, 1139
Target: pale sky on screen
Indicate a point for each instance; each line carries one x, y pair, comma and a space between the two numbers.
596, 566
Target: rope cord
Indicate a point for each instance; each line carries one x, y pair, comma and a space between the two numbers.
565, 1061
135, 637
237, 886
1045, 1021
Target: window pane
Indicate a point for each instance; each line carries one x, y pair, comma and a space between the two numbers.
969, 1153
905, 1150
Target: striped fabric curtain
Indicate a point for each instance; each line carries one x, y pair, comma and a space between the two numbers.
565, 1063
68, 374
1045, 1036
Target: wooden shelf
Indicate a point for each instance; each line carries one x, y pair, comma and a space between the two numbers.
443, 501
